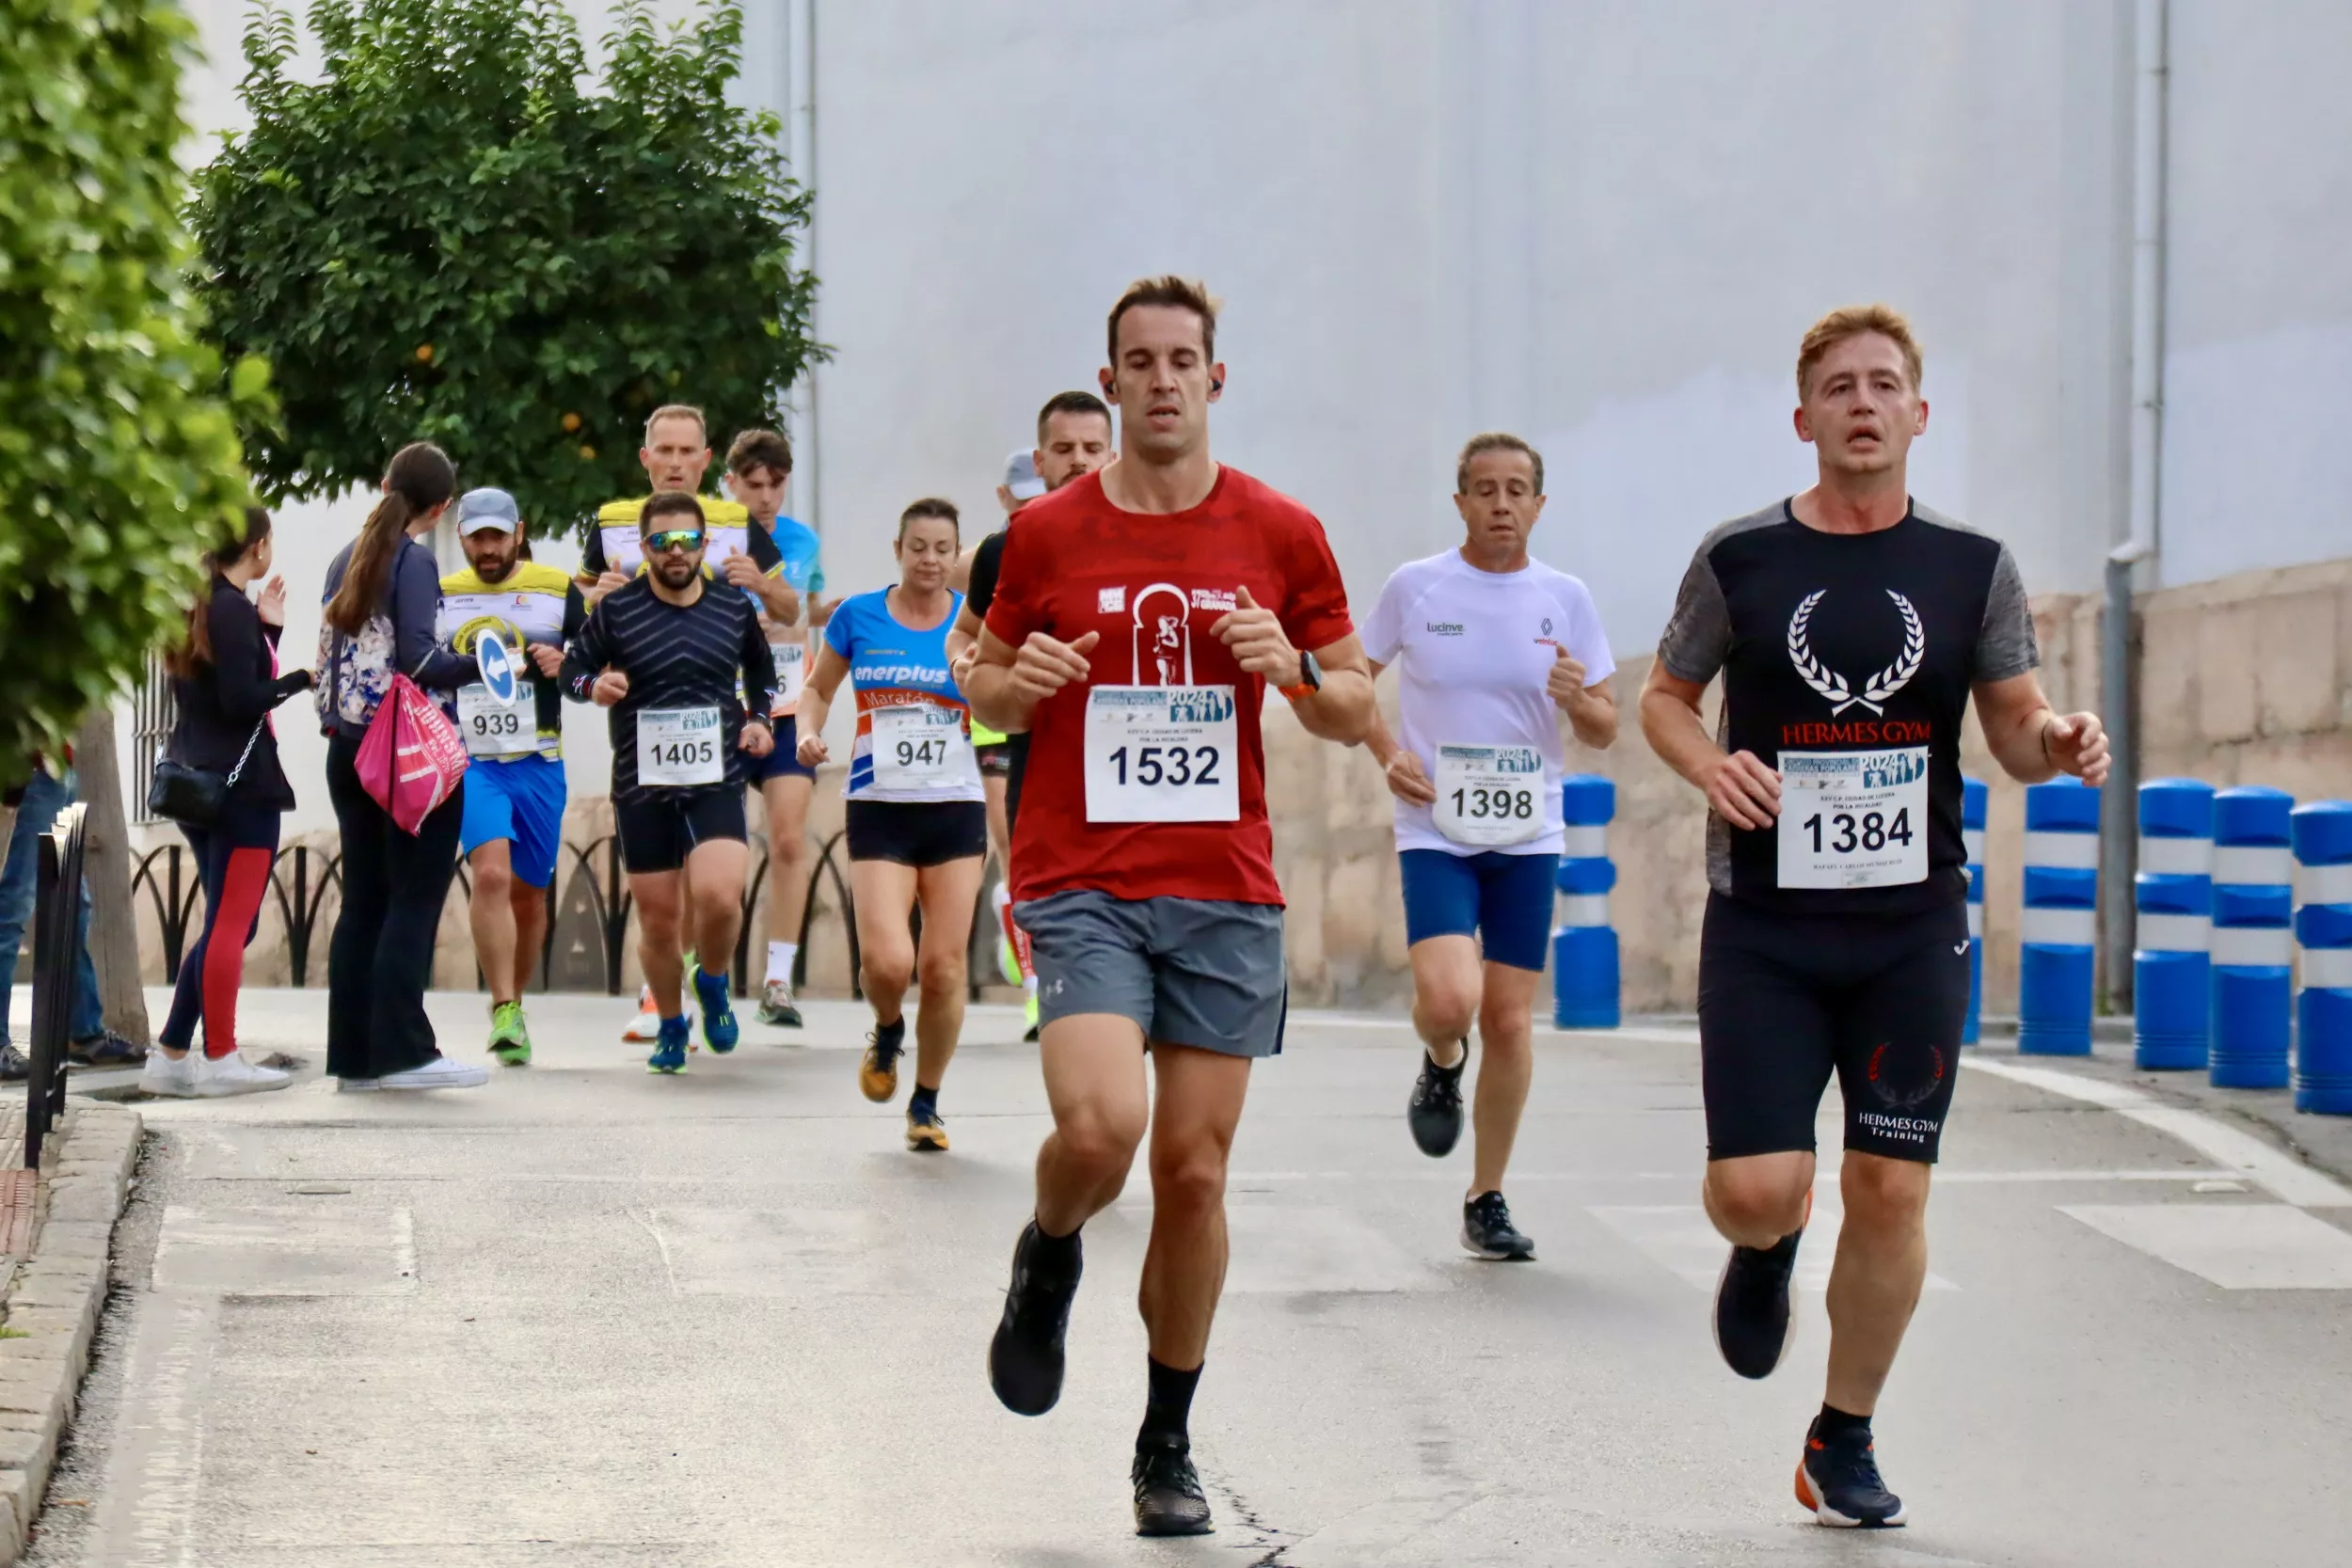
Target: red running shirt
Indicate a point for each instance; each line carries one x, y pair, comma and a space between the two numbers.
1154, 584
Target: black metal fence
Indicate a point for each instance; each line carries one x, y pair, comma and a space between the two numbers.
591, 903
57, 942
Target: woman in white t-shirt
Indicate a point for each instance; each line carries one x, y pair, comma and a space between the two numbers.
1490, 648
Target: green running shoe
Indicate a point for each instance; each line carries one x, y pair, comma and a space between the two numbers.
1008, 961
510, 1038
1029, 1015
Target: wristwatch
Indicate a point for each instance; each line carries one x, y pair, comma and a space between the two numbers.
1310, 678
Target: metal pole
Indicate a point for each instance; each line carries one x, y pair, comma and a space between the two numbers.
2118, 696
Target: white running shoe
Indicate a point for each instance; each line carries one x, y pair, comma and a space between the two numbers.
169, 1078
646, 1026
438, 1074
233, 1074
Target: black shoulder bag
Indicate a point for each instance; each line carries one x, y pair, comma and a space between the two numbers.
185, 793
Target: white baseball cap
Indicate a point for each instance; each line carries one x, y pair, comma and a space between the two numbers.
1021, 476
487, 511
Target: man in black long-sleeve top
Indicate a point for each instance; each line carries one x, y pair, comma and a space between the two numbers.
685, 672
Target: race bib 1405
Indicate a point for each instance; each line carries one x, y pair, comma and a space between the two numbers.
679, 748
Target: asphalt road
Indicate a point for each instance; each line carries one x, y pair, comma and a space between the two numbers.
591, 1317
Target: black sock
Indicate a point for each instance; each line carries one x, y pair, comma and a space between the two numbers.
923, 1103
1835, 1422
1167, 1411
1055, 1254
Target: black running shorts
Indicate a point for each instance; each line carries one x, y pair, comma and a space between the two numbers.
920, 833
1786, 999
660, 826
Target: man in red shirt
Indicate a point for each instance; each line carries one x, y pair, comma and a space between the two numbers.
1140, 613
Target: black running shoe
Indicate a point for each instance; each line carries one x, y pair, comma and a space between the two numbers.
1025, 1360
1838, 1479
1488, 1232
105, 1049
1753, 1319
1435, 1112
1168, 1501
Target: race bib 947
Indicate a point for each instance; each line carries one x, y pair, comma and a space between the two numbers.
1852, 820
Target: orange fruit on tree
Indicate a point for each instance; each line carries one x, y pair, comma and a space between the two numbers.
571, 422
424, 353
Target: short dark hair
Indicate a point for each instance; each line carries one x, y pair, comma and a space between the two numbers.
1495, 440
1070, 403
931, 506
668, 503
759, 449
1184, 294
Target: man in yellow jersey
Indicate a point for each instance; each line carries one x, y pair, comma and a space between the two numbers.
677, 455
513, 817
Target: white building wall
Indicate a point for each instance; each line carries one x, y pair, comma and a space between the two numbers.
1604, 226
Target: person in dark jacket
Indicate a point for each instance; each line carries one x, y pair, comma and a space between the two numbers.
224, 683
383, 597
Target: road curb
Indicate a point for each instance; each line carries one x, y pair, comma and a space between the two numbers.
52, 1304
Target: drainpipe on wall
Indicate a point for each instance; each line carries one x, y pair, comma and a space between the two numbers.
2118, 654
800, 141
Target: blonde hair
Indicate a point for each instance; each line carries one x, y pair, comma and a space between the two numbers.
677, 411
1852, 320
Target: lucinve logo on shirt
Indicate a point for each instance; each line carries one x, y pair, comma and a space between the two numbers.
1447, 629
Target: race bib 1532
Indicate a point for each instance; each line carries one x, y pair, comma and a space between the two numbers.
1162, 753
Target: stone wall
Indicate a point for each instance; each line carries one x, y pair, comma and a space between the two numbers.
2243, 682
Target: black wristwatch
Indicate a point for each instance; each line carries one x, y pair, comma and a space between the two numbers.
1309, 677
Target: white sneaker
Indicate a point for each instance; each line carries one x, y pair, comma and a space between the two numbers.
646, 1026
233, 1074
438, 1074
171, 1080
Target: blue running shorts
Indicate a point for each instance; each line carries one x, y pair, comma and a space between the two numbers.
521, 801
1503, 900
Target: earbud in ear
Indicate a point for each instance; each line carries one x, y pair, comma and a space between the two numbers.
1216, 386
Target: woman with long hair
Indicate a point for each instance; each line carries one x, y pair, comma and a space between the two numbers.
224, 683
383, 596
918, 820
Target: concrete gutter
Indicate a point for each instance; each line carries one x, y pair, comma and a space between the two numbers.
52, 1304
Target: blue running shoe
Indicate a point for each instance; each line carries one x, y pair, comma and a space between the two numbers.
669, 1051
720, 1032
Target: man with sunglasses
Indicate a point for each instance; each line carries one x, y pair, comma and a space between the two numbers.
665, 652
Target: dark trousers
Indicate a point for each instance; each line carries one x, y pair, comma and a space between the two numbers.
233, 857
381, 959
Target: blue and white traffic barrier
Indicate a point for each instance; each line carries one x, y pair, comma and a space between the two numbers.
2171, 970
2253, 937
1584, 945
2059, 928
2322, 834
1974, 797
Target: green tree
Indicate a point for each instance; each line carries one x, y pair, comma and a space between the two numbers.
118, 460
455, 235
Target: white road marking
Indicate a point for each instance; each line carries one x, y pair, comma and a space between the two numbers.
2237, 1153
2238, 1247
1681, 1239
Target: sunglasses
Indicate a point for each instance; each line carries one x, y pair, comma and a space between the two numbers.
673, 539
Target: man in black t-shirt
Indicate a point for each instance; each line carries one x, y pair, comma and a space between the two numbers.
1851, 627
682, 662
1073, 438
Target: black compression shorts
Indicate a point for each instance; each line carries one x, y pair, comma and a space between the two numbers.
1784, 999
920, 833
660, 826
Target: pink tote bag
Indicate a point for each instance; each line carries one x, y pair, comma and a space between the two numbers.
412, 757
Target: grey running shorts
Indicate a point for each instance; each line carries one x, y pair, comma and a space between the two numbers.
1196, 972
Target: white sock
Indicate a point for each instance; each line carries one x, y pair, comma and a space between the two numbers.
1028, 987
780, 957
